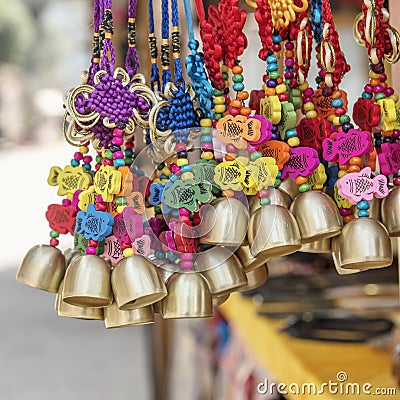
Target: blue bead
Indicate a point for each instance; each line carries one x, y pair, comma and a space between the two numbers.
238, 86
272, 60
276, 39
74, 162
206, 139
337, 103
272, 67
366, 95
272, 83
119, 162
172, 256
87, 167
363, 213
173, 177
160, 255
128, 152
363, 205
186, 168
291, 133
279, 174
162, 176
175, 213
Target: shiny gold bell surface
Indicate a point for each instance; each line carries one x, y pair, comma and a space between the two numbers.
87, 282
165, 271
322, 246
67, 310
189, 296
136, 283
255, 278
278, 197
290, 187
219, 300
70, 254
364, 244
247, 260
224, 222
116, 318
391, 212
43, 268
273, 232
317, 216
222, 270
336, 259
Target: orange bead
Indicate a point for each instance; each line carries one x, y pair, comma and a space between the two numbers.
355, 161
236, 103
354, 168
280, 80
277, 55
374, 82
337, 94
384, 85
237, 69
243, 95
245, 111
289, 54
270, 92
300, 180
343, 167
228, 193
348, 218
230, 157
387, 133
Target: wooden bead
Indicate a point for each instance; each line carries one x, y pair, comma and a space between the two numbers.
348, 218
354, 168
187, 175
129, 252
270, 92
337, 94
228, 193
280, 89
219, 100
181, 161
237, 69
220, 108
293, 142
343, 167
205, 122
374, 82
341, 174
224, 68
308, 106
311, 114
245, 111
207, 155
236, 103
300, 180
355, 161
230, 157
243, 95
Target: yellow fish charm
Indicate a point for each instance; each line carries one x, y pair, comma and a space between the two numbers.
69, 180
107, 182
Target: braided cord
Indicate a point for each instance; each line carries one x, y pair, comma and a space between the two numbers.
176, 45
107, 58
155, 73
165, 63
95, 61
132, 62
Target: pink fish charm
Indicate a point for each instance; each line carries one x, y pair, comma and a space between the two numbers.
347, 145
389, 158
358, 186
119, 229
133, 223
112, 249
142, 245
302, 162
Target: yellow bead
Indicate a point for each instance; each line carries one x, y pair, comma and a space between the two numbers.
156, 180
166, 171
342, 173
394, 97
83, 149
129, 252
280, 88
308, 106
224, 68
331, 117
207, 155
164, 181
311, 114
264, 87
219, 100
336, 121
304, 86
120, 209
182, 161
219, 108
186, 176
206, 122
374, 75
103, 153
293, 142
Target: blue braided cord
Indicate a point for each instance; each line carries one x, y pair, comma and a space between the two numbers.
177, 61
155, 73
196, 69
316, 19
166, 73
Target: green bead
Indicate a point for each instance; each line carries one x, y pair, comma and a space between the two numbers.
54, 234
380, 96
277, 182
99, 159
398, 173
344, 119
305, 187
128, 160
265, 201
161, 166
318, 79
237, 78
255, 155
218, 92
274, 75
215, 191
121, 201
157, 210
225, 76
218, 116
109, 154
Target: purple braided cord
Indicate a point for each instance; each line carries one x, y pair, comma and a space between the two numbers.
106, 63
132, 62
94, 66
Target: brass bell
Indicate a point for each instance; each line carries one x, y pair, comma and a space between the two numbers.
116, 318
277, 196
255, 278
290, 187
247, 260
391, 212
224, 222
87, 282
364, 244
222, 270
136, 283
336, 259
165, 271
322, 246
188, 297
70, 254
43, 268
219, 300
273, 232
317, 216
67, 310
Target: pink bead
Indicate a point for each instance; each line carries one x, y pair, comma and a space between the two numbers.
78, 156
263, 193
388, 91
99, 198
180, 147
383, 78
184, 211
174, 169
368, 89
288, 74
230, 148
184, 218
344, 212
118, 132
289, 62
289, 46
308, 92
186, 256
118, 154
396, 134
87, 159
186, 265
378, 89
321, 73
207, 146
118, 141
340, 111
307, 99
91, 250
234, 111
66, 202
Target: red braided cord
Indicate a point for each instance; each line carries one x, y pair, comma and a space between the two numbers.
263, 16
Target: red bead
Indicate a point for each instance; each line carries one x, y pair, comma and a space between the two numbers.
106, 161
97, 167
234, 111
283, 97
93, 243
396, 181
124, 245
276, 47
54, 242
339, 111
129, 145
101, 206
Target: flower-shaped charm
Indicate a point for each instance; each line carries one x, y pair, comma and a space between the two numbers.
312, 132
318, 178
302, 162
112, 249
142, 245
133, 223
288, 118
389, 158
156, 192
93, 224
230, 174
107, 182
270, 108
388, 114
232, 130
279, 151
120, 230
61, 218
366, 114
86, 197
267, 171
69, 180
